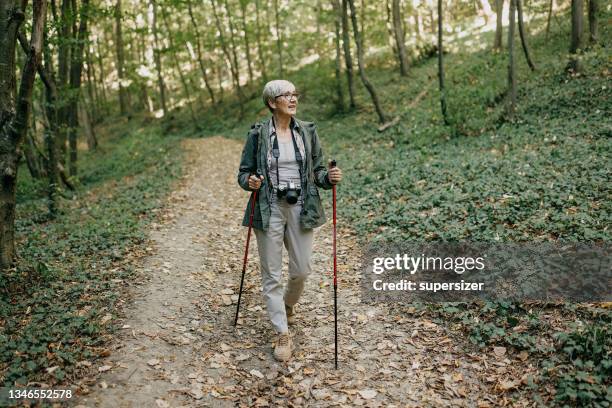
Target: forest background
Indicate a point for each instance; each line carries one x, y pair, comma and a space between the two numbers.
504, 136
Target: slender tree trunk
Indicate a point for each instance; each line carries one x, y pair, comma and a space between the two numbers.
499, 11
392, 41
337, 22
247, 46
348, 59
84, 120
92, 90
511, 62
593, 21
418, 20
279, 41
551, 6
147, 103
175, 60
29, 152
576, 40
15, 108
76, 68
262, 61
211, 94
441, 66
102, 75
123, 104
399, 38
382, 117
158, 61
233, 68
63, 77
519, 9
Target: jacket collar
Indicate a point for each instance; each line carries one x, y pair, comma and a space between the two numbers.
272, 129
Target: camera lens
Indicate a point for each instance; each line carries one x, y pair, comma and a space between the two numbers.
292, 196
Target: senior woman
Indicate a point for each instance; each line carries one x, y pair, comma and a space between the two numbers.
282, 159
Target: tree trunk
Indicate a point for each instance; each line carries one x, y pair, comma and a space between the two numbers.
175, 61
123, 103
519, 9
29, 152
511, 62
262, 61
84, 120
392, 41
337, 22
158, 61
233, 68
576, 40
499, 11
15, 108
382, 117
348, 59
63, 76
76, 68
593, 21
102, 76
279, 41
441, 67
399, 38
211, 94
92, 89
550, 12
247, 46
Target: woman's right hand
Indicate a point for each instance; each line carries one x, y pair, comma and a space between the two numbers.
255, 182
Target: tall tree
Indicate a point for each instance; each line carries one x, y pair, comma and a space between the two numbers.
247, 46
576, 40
511, 62
260, 52
158, 60
279, 39
76, 68
593, 20
441, 66
382, 117
519, 9
338, 62
15, 108
123, 101
399, 38
199, 52
499, 8
348, 59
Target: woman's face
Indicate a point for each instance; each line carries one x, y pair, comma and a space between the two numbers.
286, 103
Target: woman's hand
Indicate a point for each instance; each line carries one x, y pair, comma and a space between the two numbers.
255, 182
335, 175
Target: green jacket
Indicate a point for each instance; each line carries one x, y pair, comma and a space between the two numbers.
312, 214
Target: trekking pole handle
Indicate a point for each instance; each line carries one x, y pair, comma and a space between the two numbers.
333, 163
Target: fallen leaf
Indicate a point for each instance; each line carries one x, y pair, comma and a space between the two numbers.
104, 368
368, 394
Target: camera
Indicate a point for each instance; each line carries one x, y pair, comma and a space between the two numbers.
289, 191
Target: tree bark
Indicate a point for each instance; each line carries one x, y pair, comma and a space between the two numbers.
549, 17
102, 75
382, 117
576, 40
519, 9
123, 104
338, 62
441, 66
593, 21
348, 59
499, 8
15, 108
511, 62
84, 119
399, 38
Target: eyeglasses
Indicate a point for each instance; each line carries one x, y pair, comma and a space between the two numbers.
289, 95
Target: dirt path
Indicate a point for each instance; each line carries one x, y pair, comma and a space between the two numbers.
178, 346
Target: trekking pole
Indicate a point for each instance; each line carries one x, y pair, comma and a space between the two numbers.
332, 165
246, 251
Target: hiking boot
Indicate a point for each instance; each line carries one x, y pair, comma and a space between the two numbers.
290, 311
282, 351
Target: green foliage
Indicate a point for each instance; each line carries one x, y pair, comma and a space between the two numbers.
69, 273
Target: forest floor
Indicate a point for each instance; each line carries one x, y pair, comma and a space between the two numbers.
177, 345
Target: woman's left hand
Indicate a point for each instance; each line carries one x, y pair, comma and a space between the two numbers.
335, 175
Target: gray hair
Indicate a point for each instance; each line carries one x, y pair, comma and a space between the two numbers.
274, 88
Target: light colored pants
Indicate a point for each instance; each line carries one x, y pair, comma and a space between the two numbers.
284, 228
